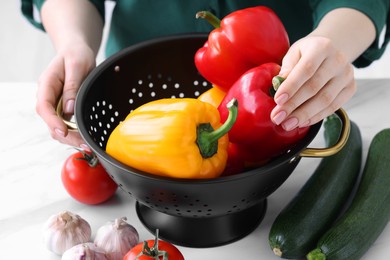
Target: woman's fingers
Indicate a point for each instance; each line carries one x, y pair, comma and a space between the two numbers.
63, 78
320, 82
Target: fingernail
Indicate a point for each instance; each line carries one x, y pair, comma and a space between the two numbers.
280, 100
69, 107
283, 72
85, 147
290, 124
279, 117
59, 132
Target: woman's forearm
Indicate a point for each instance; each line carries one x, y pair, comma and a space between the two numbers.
70, 22
351, 31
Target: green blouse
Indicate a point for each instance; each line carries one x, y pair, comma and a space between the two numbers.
138, 20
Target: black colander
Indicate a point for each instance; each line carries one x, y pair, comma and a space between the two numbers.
194, 213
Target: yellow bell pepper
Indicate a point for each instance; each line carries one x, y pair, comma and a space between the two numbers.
213, 96
174, 138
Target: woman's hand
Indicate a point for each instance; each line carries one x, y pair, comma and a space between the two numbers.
318, 69
63, 76
75, 28
319, 80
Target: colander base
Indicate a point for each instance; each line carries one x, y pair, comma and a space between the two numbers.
205, 231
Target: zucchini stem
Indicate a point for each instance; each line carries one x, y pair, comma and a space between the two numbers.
277, 251
316, 254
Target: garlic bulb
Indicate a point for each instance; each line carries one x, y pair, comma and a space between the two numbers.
85, 251
116, 238
65, 230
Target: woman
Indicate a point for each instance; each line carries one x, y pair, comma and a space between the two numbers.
328, 38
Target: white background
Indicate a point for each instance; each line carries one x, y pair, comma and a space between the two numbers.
30, 187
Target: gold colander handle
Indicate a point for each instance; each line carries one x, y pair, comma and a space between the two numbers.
69, 123
324, 152
308, 152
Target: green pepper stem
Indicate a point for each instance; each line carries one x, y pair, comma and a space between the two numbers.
207, 137
232, 106
277, 81
210, 17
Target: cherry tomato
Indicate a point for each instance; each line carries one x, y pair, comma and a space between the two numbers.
85, 179
147, 250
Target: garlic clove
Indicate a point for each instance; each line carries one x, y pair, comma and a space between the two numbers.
65, 230
85, 251
116, 238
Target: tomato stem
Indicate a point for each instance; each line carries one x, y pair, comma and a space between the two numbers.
153, 252
90, 158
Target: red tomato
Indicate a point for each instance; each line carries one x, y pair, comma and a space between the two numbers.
88, 184
171, 251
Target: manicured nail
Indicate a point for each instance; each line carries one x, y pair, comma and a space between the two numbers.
282, 72
59, 132
85, 147
290, 124
280, 100
279, 117
69, 107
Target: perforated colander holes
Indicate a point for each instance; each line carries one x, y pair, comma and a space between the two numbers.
150, 87
201, 86
120, 185
244, 203
102, 118
170, 203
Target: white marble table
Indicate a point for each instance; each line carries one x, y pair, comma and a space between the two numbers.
31, 188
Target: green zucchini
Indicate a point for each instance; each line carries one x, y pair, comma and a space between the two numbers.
316, 206
354, 233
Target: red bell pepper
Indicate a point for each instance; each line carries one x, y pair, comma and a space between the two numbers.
234, 164
246, 38
258, 138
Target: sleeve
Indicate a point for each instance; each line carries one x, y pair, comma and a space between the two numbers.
376, 10
31, 9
